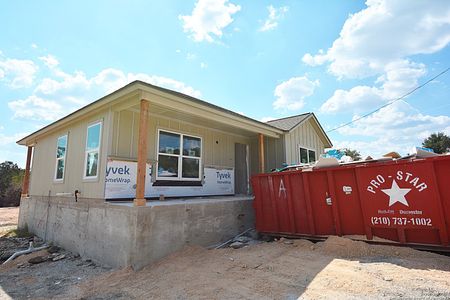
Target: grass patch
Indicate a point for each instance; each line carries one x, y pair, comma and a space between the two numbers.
17, 233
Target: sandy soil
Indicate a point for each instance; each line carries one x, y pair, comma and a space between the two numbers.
9, 217
338, 268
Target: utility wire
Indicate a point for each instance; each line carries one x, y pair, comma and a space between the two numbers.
392, 101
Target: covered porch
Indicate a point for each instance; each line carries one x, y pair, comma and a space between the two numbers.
179, 146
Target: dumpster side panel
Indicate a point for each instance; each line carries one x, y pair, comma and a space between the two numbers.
348, 202
442, 170
403, 201
300, 208
404, 197
321, 212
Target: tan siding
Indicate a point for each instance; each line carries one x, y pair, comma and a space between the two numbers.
44, 160
303, 136
274, 153
215, 154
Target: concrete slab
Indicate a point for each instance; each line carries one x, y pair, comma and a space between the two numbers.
119, 234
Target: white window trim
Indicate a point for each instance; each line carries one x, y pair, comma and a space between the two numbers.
308, 149
180, 157
86, 152
64, 158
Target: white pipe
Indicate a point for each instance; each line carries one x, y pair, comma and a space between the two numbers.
30, 249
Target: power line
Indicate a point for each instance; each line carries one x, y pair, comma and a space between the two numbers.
392, 101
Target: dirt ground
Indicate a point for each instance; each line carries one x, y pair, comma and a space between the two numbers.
338, 268
9, 217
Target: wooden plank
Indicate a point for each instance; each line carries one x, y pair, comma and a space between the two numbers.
261, 152
26, 178
142, 155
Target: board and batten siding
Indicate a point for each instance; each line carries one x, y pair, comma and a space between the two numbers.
42, 180
274, 153
217, 146
305, 135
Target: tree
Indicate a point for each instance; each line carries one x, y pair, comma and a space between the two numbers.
11, 177
354, 154
439, 142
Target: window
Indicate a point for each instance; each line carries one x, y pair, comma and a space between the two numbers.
179, 156
61, 149
92, 152
307, 156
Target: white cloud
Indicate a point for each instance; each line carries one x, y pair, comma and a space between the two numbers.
386, 31
397, 127
291, 94
203, 65
50, 61
208, 19
34, 46
400, 77
18, 73
275, 14
36, 108
63, 93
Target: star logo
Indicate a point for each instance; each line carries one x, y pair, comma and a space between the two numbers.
396, 194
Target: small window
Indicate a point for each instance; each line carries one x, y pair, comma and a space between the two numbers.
307, 156
92, 151
61, 149
179, 156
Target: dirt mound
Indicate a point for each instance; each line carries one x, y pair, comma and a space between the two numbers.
344, 247
347, 248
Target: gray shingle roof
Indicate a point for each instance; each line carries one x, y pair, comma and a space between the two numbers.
289, 123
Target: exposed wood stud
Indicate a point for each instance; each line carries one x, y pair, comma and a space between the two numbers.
261, 153
142, 155
26, 178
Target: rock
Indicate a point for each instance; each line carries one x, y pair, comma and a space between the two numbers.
237, 245
59, 257
312, 247
288, 242
53, 249
253, 234
387, 278
37, 259
242, 239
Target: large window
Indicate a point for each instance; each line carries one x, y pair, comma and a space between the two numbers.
307, 156
179, 156
61, 149
92, 152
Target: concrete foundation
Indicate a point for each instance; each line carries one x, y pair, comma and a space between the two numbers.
119, 235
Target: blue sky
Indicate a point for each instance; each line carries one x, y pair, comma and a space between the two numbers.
264, 59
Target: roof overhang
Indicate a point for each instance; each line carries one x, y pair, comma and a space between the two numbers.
140, 90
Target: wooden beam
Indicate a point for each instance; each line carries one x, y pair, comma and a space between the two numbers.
261, 152
26, 177
142, 155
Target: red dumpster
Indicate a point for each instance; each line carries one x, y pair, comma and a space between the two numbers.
405, 201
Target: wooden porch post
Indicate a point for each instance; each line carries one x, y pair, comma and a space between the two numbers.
142, 155
261, 152
26, 177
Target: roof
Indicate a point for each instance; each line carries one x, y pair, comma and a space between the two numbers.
134, 87
288, 123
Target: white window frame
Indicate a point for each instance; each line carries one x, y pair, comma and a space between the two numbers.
86, 151
307, 149
180, 157
63, 158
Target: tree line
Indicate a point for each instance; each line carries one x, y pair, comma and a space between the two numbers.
11, 177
